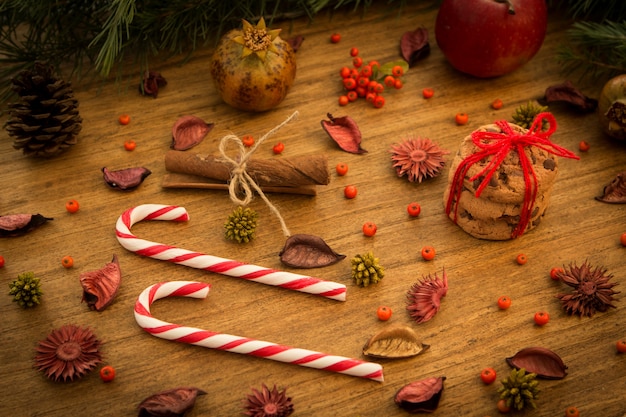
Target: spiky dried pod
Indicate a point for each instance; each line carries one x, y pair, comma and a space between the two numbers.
366, 269
26, 290
520, 389
241, 225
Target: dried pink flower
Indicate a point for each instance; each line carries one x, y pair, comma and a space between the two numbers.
424, 297
418, 158
268, 403
68, 353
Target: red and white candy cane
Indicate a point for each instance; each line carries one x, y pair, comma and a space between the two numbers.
211, 263
237, 344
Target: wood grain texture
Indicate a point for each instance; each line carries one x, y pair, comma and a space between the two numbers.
468, 334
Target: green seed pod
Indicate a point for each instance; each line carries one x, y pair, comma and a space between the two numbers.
241, 225
366, 269
26, 290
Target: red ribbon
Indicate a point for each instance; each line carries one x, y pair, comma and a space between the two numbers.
497, 145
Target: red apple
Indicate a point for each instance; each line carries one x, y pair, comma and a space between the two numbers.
489, 38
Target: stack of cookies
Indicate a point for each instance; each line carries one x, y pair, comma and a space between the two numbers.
495, 214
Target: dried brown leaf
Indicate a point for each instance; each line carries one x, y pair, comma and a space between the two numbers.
566, 92
171, 403
100, 287
308, 251
189, 131
13, 225
539, 360
421, 396
414, 45
345, 132
125, 179
395, 341
615, 191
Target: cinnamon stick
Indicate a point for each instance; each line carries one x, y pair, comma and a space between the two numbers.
277, 172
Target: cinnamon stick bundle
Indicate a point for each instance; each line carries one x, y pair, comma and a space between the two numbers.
276, 172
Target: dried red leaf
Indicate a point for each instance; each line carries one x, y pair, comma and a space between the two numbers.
151, 83
171, 403
100, 287
615, 191
188, 131
125, 179
539, 360
295, 42
13, 225
414, 45
345, 132
308, 251
420, 396
566, 92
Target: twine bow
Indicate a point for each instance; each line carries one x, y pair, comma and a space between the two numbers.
497, 145
240, 179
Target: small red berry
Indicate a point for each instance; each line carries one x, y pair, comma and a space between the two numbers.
344, 72
583, 146
621, 345
375, 65
124, 119
352, 95
369, 229
379, 102
397, 84
521, 259
349, 83
278, 148
361, 92
556, 272
335, 38
572, 412
343, 100
67, 261
366, 71
504, 302
397, 71
247, 140
363, 82
428, 92
461, 119
389, 81
342, 169
488, 375
541, 318
72, 206
107, 373
350, 191
414, 209
357, 61
370, 97
379, 88
130, 145
622, 239
428, 253
354, 51
1, 261
384, 313
497, 104
502, 407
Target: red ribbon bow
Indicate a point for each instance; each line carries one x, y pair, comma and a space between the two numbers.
497, 145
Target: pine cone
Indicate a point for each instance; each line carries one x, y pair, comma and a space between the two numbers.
525, 114
241, 225
46, 120
26, 290
366, 270
520, 389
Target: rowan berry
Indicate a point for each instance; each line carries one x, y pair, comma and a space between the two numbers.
397, 84
67, 261
375, 65
354, 51
278, 148
72, 206
504, 302
107, 373
363, 82
379, 102
622, 239
357, 61
342, 169
384, 313
349, 83
124, 119
335, 38
1, 261
488, 375
414, 209
621, 345
583, 146
428, 253
572, 412
350, 191
371, 96
344, 72
556, 272
366, 71
428, 92
352, 95
369, 229
497, 104
247, 140
378, 87
343, 100
389, 81
130, 145
502, 407
361, 91
397, 71
461, 119
521, 259
541, 318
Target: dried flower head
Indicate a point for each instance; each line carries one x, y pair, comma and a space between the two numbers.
268, 403
520, 390
68, 353
366, 270
424, 297
418, 158
241, 225
257, 39
525, 114
26, 290
591, 290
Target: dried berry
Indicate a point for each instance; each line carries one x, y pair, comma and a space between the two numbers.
171, 403
189, 131
421, 396
13, 225
519, 390
615, 191
345, 132
366, 270
539, 360
125, 179
100, 287
26, 290
394, 341
241, 225
308, 251
567, 93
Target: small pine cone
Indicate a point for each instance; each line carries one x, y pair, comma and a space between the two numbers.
45, 122
525, 114
241, 225
366, 269
520, 389
26, 290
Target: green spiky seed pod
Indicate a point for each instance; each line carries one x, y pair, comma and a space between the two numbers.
520, 389
26, 290
525, 114
241, 225
366, 269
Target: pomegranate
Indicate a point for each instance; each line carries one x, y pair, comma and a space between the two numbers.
253, 68
612, 107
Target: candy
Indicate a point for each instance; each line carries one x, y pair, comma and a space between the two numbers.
237, 344
211, 263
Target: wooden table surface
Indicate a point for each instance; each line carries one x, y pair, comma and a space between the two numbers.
468, 334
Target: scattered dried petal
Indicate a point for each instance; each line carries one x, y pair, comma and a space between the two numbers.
13, 225
615, 191
188, 131
295, 42
308, 251
539, 360
414, 45
395, 341
345, 132
420, 396
151, 83
171, 403
125, 179
100, 287
424, 297
566, 92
